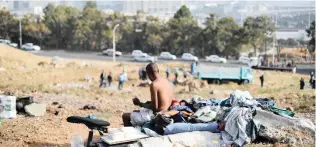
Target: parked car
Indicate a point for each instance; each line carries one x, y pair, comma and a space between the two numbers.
137, 53
5, 41
30, 46
216, 59
243, 60
144, 57
14, 45
109, 52
190, 57
167, 55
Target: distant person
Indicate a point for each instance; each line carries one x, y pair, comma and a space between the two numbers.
121, 81
167, 72
311, 78
193, 68
110, 79
102, 78
144, 74
261, 79
176, 75
313, 82
302, 84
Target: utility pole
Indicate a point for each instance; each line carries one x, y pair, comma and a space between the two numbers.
20, 28
114, 50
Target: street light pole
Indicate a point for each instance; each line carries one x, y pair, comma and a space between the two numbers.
117, 25
20, 28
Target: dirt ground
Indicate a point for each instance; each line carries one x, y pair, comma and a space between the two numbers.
25, 74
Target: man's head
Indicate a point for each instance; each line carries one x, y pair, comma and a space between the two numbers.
152, 71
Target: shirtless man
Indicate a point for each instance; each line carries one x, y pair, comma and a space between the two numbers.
161, 93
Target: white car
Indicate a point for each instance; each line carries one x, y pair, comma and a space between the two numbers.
216, 59
243, 60
167, 55
137, 53
190, 57
144, 57
14, 45
109, 52
30, 46
5, 41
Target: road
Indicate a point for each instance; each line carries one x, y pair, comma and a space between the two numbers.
303, 68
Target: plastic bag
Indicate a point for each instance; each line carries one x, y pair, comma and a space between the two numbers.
141, 117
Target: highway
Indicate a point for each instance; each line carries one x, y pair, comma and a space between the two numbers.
303, 68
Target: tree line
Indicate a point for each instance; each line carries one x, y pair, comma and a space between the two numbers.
65, 27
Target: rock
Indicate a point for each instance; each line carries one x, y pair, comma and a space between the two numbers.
61, 106
35, 109
89, 107
55, 103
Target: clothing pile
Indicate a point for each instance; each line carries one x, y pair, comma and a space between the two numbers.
238, 118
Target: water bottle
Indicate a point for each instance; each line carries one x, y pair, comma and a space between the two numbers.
77, 141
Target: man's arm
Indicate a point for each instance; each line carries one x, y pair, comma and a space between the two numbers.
154, 97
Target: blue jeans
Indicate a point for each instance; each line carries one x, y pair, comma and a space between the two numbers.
188, 127
120, 86
101, 83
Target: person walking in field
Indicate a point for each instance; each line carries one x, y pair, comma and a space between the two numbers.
121, 81
302, 84
261, 79
109, 79
102, 78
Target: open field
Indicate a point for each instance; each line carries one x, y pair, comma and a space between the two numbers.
28, 74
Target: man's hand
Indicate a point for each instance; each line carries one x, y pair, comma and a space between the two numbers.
136, 101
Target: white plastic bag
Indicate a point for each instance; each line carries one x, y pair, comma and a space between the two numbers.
141, 117
7, 106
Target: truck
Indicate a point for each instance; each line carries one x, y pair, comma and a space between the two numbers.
218, 74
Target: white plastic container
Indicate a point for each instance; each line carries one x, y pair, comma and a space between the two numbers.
7, 106
77, 141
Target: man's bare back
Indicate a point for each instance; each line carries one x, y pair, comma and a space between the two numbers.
163, 90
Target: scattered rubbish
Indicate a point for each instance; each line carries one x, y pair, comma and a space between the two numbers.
91, 116
88, 78
89, 107
7, 106
73, 85
35, 109
22, 102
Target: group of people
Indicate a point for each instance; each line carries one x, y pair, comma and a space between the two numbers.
107, 81
311, 81
103, 79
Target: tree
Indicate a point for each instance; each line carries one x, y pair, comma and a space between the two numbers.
182, 29
34, 27
8, 24
61, 21
92, 29
183, 12
311, 33
256, 30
